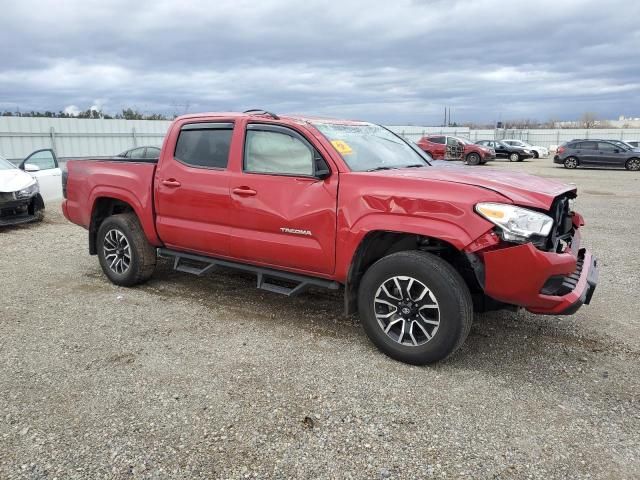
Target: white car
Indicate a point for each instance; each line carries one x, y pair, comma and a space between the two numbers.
24, 189
537, 150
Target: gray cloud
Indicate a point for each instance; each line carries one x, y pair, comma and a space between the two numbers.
391, 62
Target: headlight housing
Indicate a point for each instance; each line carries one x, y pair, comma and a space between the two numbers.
29, 191
516, 224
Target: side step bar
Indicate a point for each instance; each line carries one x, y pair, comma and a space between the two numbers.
184, 262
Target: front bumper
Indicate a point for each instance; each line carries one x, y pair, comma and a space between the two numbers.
17, 211
522, 275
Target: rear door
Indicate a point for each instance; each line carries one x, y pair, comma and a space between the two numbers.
47, 172
283, 214
192, 189
587, 153
438, 146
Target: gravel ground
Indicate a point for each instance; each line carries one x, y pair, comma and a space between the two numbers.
190, 377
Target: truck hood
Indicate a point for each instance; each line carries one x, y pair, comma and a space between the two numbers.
13, 180
520, 188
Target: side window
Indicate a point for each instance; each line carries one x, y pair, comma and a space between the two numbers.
152, 153
437, 140
587, 145
277, 153
44, 160
606, 146
136, 153
204, 147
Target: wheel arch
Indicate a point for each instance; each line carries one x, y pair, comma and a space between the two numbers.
377, 244
104, 207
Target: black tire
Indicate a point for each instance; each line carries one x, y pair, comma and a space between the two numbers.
514, 157
473, 159
455, 307
142, 255
38, 208
571, 163
633, 164
535, 154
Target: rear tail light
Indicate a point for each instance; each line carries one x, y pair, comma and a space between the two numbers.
65, 176
560, 150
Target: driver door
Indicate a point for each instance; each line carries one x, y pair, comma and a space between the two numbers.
43, 166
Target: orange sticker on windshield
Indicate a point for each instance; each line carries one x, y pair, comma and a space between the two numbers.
342, 147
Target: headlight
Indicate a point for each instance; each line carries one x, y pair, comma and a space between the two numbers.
30, 191
517, 224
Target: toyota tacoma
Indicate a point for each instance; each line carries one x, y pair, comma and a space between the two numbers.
309, 202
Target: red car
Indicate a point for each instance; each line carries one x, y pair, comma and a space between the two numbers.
447, 147
338, 204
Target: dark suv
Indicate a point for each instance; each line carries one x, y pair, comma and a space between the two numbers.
603, 153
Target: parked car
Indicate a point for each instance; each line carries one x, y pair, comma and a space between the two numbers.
20, 198
504, 150
537, 150
447, 147
141, 153
338, 204
604, 153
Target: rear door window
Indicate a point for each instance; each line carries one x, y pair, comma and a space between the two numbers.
205, 145
437, 140
587, 146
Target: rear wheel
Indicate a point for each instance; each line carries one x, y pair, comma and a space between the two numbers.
514, 157
125, 255
633, 164
571, 162
415, 307
473, 159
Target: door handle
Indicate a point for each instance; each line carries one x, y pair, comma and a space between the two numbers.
244, 191
172, 182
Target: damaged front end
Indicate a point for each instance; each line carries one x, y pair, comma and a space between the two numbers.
547, 272
22, 206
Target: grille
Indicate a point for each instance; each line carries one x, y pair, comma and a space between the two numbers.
7, 196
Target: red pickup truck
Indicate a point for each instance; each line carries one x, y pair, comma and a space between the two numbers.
343, 205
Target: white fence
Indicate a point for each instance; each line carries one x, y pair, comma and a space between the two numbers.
73, 137
542, 137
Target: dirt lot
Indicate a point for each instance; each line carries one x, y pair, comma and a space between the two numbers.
191, 377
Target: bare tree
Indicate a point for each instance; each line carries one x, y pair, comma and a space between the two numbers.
588, 120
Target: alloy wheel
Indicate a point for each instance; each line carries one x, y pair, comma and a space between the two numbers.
406, 311
633, 164
117, 251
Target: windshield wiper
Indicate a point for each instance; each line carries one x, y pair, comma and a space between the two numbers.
380, 168
417, 165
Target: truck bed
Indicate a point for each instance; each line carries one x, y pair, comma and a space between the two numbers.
89, 180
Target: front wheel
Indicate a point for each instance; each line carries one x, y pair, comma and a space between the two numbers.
535, 154
415, 307
633, 164
514, 157
125, 255
473, 159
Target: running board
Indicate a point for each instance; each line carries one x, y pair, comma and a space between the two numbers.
183, 262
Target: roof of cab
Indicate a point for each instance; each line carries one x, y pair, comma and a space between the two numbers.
294, 117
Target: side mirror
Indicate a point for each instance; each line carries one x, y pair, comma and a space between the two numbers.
617, 150
30, 167
323, 173
321, 169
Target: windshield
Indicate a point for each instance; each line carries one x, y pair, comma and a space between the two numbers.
368, 147
6, 164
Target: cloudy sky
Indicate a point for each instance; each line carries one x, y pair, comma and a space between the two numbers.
397, 61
